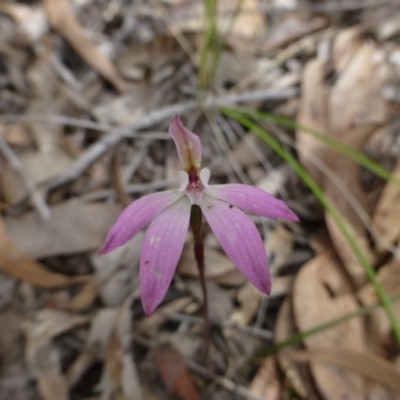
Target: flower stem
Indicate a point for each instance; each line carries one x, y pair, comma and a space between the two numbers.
195, 223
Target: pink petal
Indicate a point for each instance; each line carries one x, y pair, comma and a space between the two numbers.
187, 144
240, 239
136, 216
253, 200
161, 250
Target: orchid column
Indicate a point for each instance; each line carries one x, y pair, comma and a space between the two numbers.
169, 214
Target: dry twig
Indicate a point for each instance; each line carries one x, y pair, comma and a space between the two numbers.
35, 196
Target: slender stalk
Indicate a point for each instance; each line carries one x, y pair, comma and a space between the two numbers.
195, 223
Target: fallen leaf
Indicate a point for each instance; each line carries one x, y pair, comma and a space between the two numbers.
352, 122
297, 377
320, 294
116, 273
266, 383
274, 181
48, 159
189, 16
360, 85
249, 299
120, 379
62, 19
39, 168
42, 356
174, 373
389, 278
151, 325
367, 364
31, 19
386, 219
84, 299
73, 227
279, 245
17, 264
97, 341
346, 43
313, 114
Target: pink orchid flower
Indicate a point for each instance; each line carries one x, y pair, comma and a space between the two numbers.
169, 215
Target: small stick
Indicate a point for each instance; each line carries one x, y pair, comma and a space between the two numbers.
35, 196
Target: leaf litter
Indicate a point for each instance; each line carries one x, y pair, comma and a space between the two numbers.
72, 321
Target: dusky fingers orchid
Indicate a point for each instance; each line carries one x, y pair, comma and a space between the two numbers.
168, 214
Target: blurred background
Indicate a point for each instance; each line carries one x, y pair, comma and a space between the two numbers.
299, 98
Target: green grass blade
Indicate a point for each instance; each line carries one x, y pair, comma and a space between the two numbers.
212, 46
209, 45
356, 156
299, 337
306, 178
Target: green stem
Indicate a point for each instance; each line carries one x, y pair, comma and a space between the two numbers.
195, 223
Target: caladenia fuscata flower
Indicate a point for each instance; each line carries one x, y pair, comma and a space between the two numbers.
169, 214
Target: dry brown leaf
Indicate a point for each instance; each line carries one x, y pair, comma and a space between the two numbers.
40, 168
369, 365
97, 341
42, 355
349, 183
62, 19
350, 113
274, 182
84, 299
31, 19
297, 376
160, 315
389, 278
345, 45
266, 383
356, 97
281, 285
16, 263
386, 219
317, 298
49, 159
174, 374
74, 227
120, 378
116, 273
16, 135
356, 108
313, 114
279, 247
189, 15
249, 298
